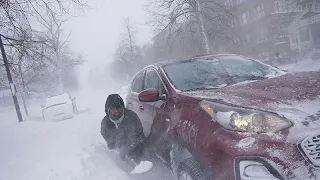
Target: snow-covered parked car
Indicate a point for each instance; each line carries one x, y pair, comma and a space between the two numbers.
59, 107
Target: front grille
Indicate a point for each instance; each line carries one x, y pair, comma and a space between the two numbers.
311, 148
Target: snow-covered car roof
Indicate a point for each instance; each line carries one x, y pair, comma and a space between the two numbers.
63, 98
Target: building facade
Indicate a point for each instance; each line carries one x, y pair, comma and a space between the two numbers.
304, 33
260, 28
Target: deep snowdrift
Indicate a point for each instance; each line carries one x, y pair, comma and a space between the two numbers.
65, 150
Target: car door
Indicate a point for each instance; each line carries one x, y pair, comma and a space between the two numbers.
156, 114
132, 99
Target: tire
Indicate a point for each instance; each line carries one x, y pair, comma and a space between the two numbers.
191, 169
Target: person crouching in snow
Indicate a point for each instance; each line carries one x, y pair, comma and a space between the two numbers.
122, 130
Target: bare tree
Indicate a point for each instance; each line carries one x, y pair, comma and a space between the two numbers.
41, 64
198, 17
17, 15
129, 37
128, 54
32, 33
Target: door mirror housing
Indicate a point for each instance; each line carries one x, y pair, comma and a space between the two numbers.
149, 95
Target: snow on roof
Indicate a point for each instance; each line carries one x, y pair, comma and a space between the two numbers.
63, 98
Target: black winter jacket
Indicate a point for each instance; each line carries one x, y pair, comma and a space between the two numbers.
127, 136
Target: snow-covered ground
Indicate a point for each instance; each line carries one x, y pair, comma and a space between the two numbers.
67, 150
308, 65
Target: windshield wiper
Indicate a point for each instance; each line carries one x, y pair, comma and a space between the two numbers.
207, 88
257, 78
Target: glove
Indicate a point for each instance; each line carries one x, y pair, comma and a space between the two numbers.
111, 146
122, 156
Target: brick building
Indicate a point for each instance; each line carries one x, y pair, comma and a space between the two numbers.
259, 28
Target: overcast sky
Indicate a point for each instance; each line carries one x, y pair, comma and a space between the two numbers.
96, 33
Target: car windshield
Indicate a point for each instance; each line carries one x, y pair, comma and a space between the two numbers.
216, 72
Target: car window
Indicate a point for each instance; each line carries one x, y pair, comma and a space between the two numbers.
138, 83
152, 80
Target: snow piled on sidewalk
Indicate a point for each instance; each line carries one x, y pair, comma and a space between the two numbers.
65, 150
307, 65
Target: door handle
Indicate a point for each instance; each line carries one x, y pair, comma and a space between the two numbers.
141, 107
130, 103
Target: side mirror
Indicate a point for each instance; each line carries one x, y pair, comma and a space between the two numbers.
149, 95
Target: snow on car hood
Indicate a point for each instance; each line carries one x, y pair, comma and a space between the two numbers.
265, 94
294, 95
305, 115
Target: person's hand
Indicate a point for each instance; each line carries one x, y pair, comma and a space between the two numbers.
122, 156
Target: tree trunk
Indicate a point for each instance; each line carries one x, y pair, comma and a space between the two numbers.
24, 103
204, 37
23, 92
60, 83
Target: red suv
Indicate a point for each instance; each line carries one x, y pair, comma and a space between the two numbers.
230, 117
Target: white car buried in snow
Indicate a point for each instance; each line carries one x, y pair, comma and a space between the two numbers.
59, 107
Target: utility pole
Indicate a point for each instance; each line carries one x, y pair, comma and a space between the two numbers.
12, 86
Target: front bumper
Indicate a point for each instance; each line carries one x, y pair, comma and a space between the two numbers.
251, 168
282, 159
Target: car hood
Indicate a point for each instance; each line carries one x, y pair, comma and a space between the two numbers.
264, 94
294, 95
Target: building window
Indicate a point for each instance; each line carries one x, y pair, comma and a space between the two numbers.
293, 39
281, 32
255, 14
233, 23
262, 11
228, 3
262, 35
258, 12
245, 17
279, 6
239, 1
304, 34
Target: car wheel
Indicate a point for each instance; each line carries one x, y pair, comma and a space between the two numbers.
190, 170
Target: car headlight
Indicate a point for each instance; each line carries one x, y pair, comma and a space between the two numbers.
245, 120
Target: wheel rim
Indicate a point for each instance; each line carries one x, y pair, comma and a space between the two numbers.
184, 176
